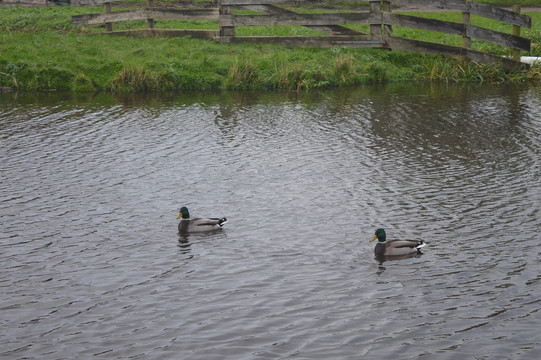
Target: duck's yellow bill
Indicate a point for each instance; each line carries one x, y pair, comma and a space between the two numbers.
374, 238
179, 216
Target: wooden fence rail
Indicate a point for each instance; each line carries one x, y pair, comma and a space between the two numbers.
333, 25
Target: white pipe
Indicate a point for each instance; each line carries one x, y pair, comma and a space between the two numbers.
530, 60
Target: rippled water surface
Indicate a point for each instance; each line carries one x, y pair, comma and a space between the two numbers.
93, 266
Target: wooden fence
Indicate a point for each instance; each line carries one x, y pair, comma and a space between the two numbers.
332, 25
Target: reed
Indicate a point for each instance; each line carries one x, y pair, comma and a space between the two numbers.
287, 77
344, 69
134, 79
242, 75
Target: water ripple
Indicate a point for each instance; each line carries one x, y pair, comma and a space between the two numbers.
94, 267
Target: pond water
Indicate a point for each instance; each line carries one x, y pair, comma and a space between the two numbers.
93, 265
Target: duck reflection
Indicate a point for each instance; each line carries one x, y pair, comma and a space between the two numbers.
383, 258
184, 245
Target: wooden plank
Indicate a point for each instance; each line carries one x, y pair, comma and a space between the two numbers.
143, 14
252, 2
298, 19
183, 14
23, 3
335, 30
144, 33
312, 41
415, 22
327, 29
485, 10
100, 18
499, 14
495, 37
451, 51
92, 2
448, 27
458, 5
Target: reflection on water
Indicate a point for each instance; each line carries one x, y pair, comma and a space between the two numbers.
93, 265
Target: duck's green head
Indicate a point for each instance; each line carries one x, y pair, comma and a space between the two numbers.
380, 235
183, 213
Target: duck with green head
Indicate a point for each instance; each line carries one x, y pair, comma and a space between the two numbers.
395, 247
187, 224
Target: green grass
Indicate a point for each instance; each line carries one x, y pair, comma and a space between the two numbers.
41, 50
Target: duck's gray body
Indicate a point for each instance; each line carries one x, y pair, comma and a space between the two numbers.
200, 225
395, 247
398, 247
187, 225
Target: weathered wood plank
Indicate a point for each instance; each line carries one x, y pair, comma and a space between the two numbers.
126, 15
312, 41
458, 5
24, 2
415, 22
100, 18
495, 37
448, 27
144, 33
183, 14
92, 2
451, 51
327, 29
499, 14
485, 10
298, 19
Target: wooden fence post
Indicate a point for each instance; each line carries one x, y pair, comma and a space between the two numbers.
387, 29
226, 32
466, 40
375, 29
150, 22
108, 25
516, 32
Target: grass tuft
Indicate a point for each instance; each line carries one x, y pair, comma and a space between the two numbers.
344, 69
242, 76
134, 79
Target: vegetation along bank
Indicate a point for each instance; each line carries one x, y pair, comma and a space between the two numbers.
41, 50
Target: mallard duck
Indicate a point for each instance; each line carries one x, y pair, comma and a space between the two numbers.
197, 224
395, 247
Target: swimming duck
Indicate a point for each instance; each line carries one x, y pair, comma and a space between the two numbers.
197, 224
395, 247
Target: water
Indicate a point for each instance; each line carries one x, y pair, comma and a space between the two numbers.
93, 266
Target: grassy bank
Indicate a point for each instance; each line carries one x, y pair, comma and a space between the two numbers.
41, 50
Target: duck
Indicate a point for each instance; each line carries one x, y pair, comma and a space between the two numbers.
395, 247
187, 224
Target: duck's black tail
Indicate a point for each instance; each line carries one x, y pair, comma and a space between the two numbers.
222, 221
